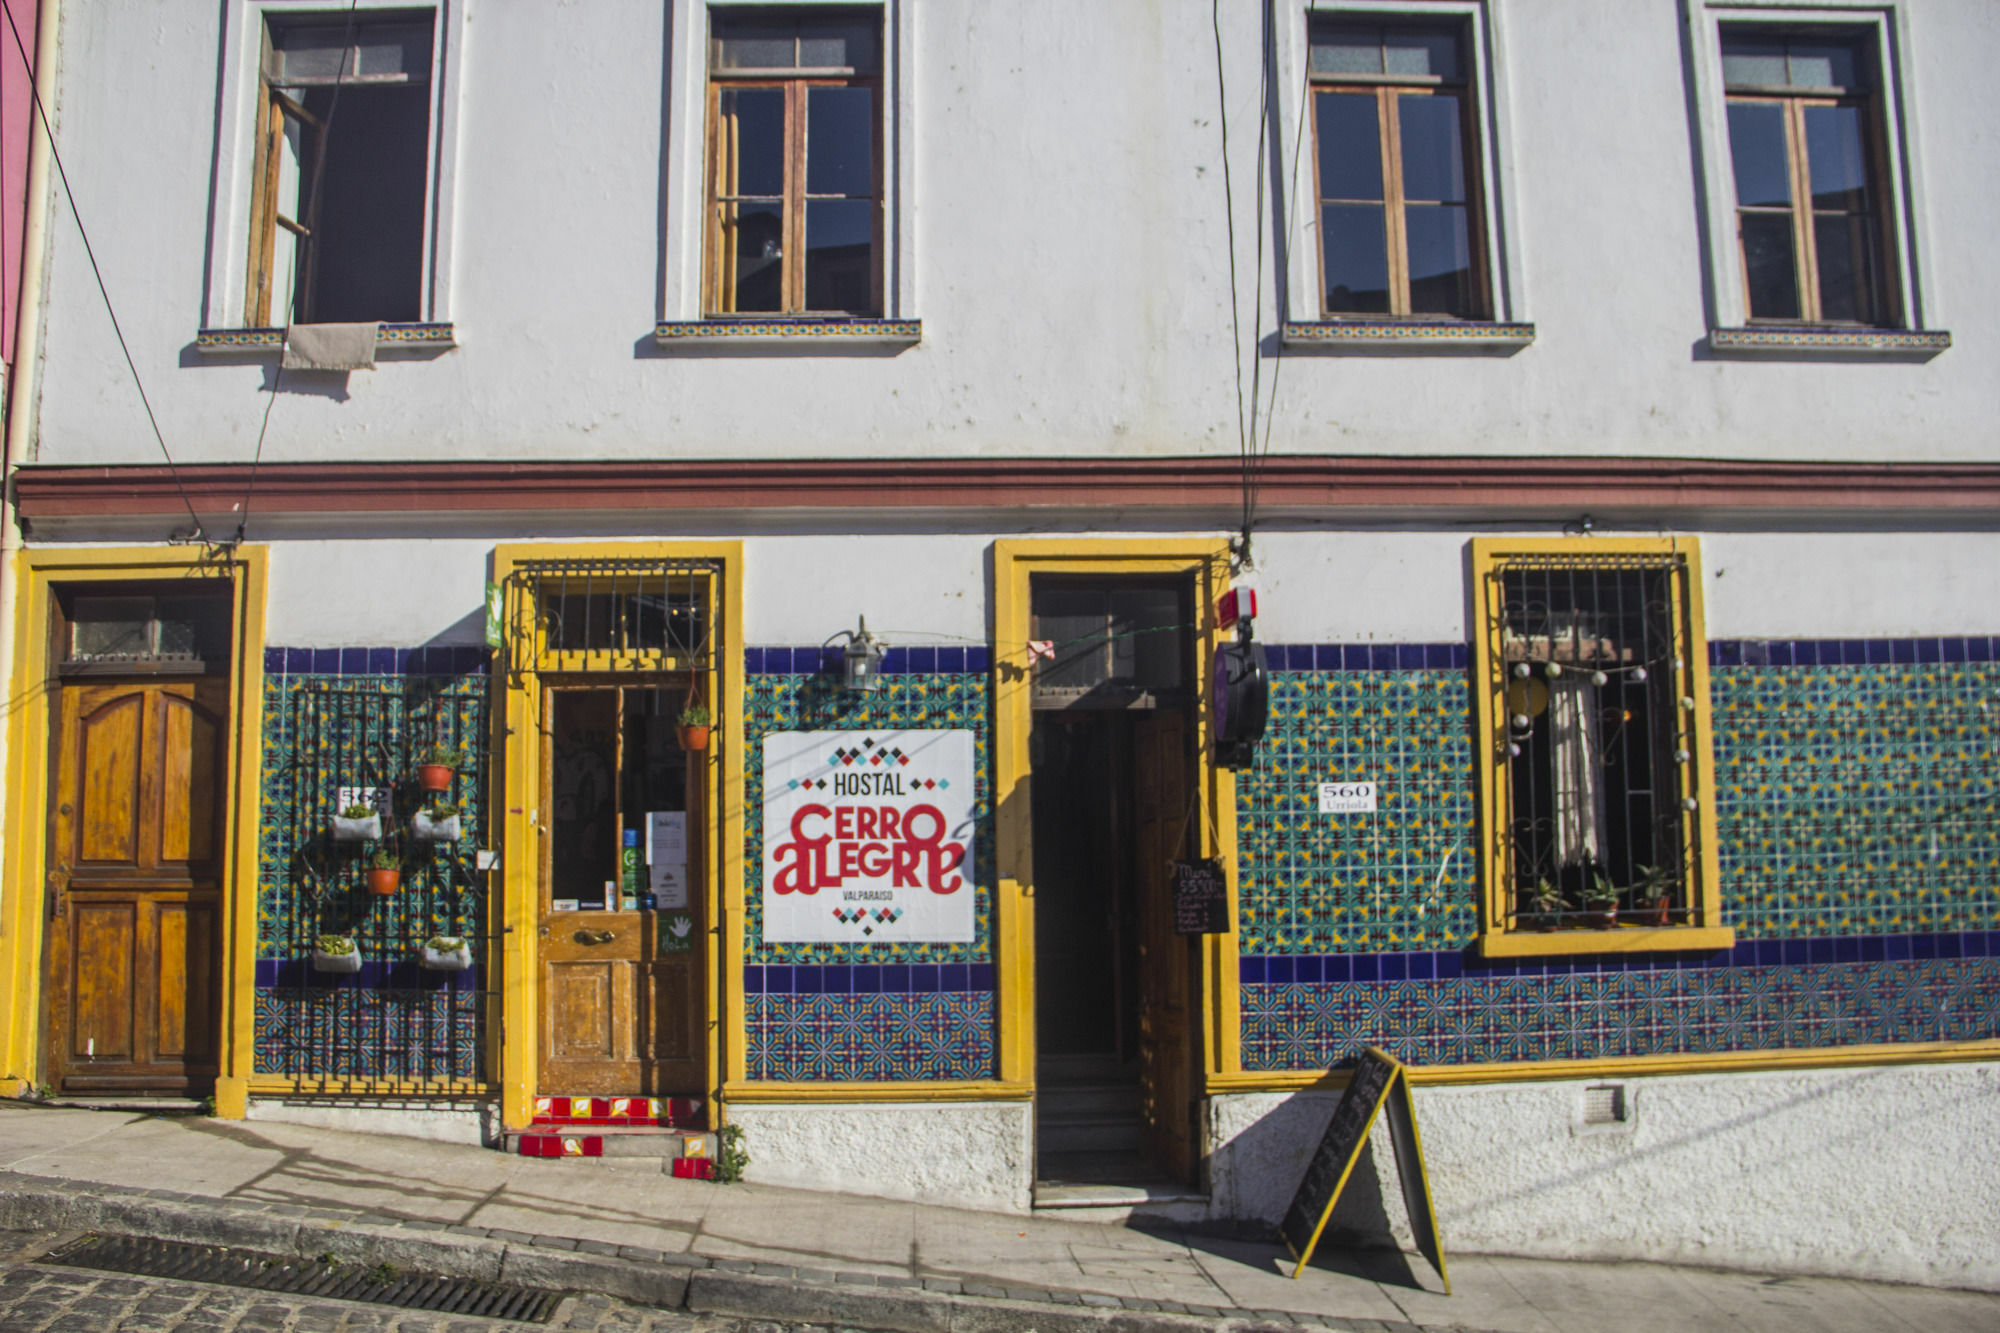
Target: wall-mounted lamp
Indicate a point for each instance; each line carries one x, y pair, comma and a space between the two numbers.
861, 661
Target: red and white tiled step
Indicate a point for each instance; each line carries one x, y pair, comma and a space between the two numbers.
646, 1127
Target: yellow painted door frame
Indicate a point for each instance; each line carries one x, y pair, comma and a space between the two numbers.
516, 795
24, 863
1205, 560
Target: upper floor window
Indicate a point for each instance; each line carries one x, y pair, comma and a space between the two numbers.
1396, 133
1805, 146
795, 162
342, 184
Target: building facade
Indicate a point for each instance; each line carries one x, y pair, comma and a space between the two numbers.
1599, 407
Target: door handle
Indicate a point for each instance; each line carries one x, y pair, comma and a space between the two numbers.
58, 883
596, 936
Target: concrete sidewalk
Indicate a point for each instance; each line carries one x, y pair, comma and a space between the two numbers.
833, 1258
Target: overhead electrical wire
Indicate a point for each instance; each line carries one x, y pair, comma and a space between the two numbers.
199, 533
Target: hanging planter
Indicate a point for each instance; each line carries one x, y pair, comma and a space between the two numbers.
438, 823
357, 823
385, 873
436, 768
445, 953
336, 953
694, 726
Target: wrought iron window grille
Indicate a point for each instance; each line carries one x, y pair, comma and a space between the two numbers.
612, 615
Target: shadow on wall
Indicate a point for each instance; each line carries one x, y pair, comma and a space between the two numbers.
1256, 1172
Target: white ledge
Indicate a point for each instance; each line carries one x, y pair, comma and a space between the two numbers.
788, 332
242, 342
1410, 334
1780, 339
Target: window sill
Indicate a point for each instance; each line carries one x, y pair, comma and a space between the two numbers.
1627, 939
1426, 335
788, 332
1791, 339
393, 337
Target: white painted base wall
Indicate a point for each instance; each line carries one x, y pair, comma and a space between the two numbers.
470, 1123
1889, 1173
960, 1154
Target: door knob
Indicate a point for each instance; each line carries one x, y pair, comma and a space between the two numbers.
596, 936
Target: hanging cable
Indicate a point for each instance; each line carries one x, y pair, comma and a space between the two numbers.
199, 534
1235, 300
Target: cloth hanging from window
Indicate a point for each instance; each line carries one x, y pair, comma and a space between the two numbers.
1578, 771
331, 346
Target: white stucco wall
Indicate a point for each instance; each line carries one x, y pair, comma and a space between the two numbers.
1889, 1173
476, 1125
960, 1154
1069, 254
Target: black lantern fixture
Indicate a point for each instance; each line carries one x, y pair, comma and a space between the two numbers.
861, 661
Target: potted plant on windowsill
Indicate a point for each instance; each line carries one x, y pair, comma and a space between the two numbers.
1547, 902
436, 822
436, 767
1654, 889
695, 721
336, 953
357, 823
445, 953
385, 872
1600, 902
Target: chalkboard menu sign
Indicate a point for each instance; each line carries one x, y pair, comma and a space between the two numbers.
1378, 1079
1201, 898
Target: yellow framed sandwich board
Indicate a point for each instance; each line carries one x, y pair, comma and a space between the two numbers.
1379, 1079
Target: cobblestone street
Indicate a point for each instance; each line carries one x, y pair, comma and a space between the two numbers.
48, 1299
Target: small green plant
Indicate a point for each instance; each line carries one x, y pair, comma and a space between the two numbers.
385, 858
1548, 899
695, 715
730, 1156
358, 811
445, 943
442, 808
335, 946
1601, 894
441, 756
381, 1274
45, 1091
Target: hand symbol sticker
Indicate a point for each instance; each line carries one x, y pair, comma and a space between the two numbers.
676, 934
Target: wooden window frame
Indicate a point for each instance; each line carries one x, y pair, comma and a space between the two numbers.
796, 85
1386, 89
1501, 933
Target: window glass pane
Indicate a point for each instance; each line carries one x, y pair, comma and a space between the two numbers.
840, 249
393, 48
1846, 253
583, 770
1421, 52
848, 44
655, 773
1754, 61
310, 52
1433, 164
111, 627
753, 234
1837, 157
1355, 259
1350, 146
1823, 65
1757, 152
1440, 260
752, 151
368, 220
1768, 267
1346, 50
840, 141
752, 43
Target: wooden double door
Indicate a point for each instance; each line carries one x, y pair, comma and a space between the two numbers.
131, 956
623, 925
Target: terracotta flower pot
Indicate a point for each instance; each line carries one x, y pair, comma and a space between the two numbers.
694, 738
384, 883
1595, 919
435, 777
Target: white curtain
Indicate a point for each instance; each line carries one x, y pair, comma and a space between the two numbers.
1578, 771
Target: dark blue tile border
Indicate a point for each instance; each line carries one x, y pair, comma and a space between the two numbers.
912, 660
294, 974
1925, 650
450, 659
866, 978
1338, 969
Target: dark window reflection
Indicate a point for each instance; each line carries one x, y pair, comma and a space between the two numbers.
840, 141
755, 232
1433, 163
1757, 151
840, 246
1768, 267
753, 125
1350, 146
1440, 260
1837, 157
1355, 259
1846, 268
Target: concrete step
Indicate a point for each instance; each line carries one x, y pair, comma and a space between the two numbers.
1087, 1133
1088, 1098
607, 1141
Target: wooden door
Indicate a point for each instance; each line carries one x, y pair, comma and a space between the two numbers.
622, 1006
135, 861
1163, 818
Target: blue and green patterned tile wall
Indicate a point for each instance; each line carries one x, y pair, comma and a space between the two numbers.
869, 1012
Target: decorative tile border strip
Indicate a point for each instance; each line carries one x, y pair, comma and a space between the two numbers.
671, 332
891, 1037
1853, 652
1365, 656
911, 661
214, 342
1383, 968
1807, 338
865, 978
1405, 333
460, 659
289, 974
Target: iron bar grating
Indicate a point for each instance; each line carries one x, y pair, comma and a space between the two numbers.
317, 1278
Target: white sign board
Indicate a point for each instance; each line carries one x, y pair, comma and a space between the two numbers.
1347, 798
868, 837
667, 855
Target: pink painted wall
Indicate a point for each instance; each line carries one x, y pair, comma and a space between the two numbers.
16, 109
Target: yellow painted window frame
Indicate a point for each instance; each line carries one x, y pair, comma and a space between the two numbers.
1015, 563
517, 796
24, 817
1682, 558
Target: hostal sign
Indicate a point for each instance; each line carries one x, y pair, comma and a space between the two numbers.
868, 837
